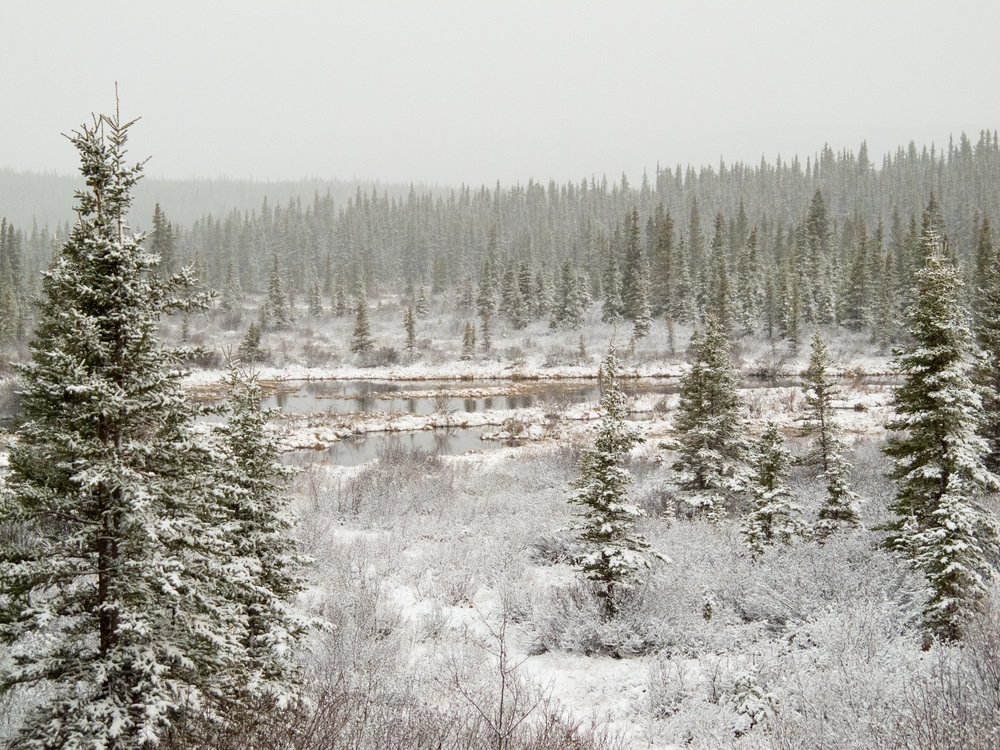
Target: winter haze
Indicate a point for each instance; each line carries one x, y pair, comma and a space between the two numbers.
458, 92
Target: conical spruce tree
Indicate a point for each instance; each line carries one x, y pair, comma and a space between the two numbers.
826, 451
361, 339
231, 300
250, 352
259, 525
939, 456
616, 553
410, 328
773, 517
469, 341
276, 309
987, 370
116, 608
711, 468
315, 298
422, 307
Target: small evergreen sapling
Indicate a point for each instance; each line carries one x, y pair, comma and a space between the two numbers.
772, 517
410, 327
469, 341
361, 339
840, 508
616, 555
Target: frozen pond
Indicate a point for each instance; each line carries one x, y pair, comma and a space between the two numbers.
433, 397
343, 397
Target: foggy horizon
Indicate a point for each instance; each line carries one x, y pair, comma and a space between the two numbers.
448, 93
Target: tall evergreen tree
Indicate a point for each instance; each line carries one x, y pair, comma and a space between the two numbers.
569, 307
469, 341
422, 307
750, 294
162, 242
616, 554
118, 608
713, 450
314, 297
276, 308
635, 277
231, 300
613, 308
259, 524
410, 328
773, 517
987, 369
939, 456
718, 294
14, 307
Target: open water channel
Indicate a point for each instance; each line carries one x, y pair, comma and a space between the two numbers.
344, 397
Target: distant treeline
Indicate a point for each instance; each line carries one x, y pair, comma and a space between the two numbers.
832, 240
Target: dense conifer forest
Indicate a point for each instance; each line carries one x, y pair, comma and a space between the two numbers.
766, 247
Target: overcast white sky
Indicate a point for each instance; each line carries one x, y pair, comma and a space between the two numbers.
470, 91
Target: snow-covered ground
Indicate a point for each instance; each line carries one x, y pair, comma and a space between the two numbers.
447, 552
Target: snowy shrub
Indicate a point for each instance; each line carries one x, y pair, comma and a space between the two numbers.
568, 618
793, 585
842, 678
559, 547
383, 356
755, 706
315, 355
709, 702
672, 684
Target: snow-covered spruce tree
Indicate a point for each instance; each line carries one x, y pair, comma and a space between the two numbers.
276, 309
469, 341
616, 553
826, 450
713, 447
987, 370
613, 308
250, 479
315, 297
114, 606
410, 328
361, 339
939, 455
250, 352
231, 300
772, 517
422, 307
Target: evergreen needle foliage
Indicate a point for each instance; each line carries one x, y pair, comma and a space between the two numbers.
826, 451
127, 605
713, 450
361, 339
987, 371
939, 455
259, 524
617, 554
772, 517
